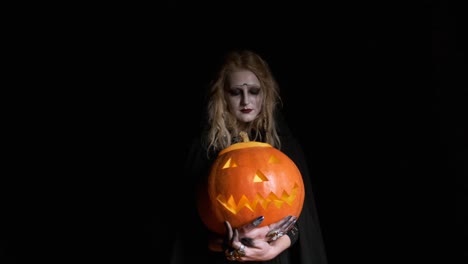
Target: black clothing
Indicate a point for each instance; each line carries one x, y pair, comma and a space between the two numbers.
191, 241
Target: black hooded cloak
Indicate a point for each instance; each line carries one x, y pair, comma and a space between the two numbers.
190, 243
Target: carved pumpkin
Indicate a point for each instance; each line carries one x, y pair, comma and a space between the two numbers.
248, 180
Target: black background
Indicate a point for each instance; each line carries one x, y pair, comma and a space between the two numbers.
374, 92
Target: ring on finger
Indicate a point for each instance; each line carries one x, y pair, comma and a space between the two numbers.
230, 254
274, 235
241, 251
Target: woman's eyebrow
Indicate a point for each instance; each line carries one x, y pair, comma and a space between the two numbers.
248, 85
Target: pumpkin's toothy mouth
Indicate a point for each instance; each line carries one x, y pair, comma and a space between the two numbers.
273, 199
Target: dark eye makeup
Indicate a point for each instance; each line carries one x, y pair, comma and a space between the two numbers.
238, 91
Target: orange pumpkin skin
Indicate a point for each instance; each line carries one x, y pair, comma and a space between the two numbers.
248, 180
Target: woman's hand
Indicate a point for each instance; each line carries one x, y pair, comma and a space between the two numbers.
252, 243
269, 233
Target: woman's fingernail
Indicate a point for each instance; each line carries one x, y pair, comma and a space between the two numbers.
247, 241
258, 221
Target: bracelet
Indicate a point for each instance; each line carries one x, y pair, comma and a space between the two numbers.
293, 234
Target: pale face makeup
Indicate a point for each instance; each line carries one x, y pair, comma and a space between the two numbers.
244, 95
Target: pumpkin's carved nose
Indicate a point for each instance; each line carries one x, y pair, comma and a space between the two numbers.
260, 177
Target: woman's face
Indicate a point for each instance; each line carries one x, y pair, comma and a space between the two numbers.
244, 95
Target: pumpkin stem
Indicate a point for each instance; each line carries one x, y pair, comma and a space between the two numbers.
244, 136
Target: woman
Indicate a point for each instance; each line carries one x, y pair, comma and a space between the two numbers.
245, 97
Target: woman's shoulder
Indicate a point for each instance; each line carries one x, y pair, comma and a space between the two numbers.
285, 133
282, 126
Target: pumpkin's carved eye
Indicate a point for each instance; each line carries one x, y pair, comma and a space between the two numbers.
259, 176
273, 160
229, 164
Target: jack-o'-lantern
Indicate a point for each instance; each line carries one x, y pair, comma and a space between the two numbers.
247, 180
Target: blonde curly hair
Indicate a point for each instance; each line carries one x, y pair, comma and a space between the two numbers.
223, 125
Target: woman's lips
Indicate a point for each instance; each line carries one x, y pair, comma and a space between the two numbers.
246, 111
